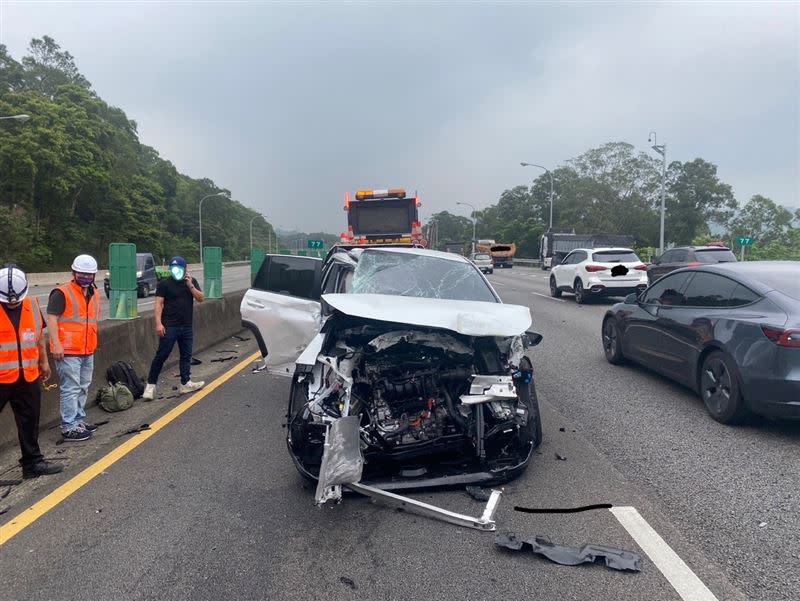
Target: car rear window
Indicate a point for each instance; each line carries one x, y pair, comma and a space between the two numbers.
723, 255
615, 256
482, 257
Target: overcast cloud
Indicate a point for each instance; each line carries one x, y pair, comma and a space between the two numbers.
289, 105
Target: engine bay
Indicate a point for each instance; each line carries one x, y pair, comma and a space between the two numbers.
430, 402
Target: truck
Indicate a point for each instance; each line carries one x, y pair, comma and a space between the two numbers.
457, 248
554, 246
502, 253
383, 217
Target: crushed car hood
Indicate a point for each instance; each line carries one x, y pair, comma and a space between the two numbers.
471, 318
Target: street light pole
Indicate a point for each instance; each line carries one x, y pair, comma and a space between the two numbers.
251, 231
21, 118
200, 218
474, 222
662, 150
551, 187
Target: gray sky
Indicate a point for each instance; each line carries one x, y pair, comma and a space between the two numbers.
291, 104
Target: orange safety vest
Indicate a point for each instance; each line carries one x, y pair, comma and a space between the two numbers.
77, 326
20, 348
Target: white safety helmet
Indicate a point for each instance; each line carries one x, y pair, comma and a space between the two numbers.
84, 264
13, 284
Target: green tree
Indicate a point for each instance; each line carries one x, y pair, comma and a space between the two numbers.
762, 220
696, 197
450, 228
47, 67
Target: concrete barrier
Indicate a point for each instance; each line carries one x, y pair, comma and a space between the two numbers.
136, 341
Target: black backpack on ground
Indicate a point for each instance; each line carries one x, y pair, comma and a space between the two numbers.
123, 372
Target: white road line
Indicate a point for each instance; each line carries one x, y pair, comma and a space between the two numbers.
561, 300
498, 284
680, 576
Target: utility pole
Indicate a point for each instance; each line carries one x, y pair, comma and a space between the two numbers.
551, 188
474, 222
662, 150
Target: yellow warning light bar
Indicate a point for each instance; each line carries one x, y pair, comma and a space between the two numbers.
391, 193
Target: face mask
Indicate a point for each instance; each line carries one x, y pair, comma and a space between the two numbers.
177, 272
84, 280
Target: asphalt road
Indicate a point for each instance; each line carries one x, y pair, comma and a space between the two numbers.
233, 278
211, 507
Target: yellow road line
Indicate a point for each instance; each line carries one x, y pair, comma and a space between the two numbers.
37, 510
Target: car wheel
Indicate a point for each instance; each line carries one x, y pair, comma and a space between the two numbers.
145, 290
720, 389
554, 291
491, 271
580, 293
612, 343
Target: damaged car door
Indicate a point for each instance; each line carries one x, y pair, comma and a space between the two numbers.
283, 308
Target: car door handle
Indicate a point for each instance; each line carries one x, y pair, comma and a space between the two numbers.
255, 304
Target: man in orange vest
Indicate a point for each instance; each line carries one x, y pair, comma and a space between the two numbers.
23, 362
73, 312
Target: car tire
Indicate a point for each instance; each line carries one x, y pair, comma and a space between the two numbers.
612, 342
491, 271
554, 291
720, 389
145, 290
580, 293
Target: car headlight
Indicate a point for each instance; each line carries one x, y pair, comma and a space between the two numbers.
139, 274
108, 274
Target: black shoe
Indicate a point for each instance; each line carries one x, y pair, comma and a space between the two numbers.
76, 435
89, 427
41, 468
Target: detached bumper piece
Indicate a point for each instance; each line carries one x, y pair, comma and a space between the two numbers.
485, 522
616, 559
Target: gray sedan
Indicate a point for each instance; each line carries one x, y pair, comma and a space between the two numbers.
729, 331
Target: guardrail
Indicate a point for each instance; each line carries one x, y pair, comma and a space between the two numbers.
527, 262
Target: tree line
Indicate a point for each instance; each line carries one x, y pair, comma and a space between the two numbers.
75, 177
614, 189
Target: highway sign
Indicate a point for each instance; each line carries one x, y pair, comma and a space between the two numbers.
744, 241
316, 244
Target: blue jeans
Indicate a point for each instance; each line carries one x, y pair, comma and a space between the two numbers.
74, 376
184, 336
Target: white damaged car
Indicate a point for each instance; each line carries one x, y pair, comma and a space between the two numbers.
415, 344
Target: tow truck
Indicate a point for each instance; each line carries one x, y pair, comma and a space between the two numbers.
379, 217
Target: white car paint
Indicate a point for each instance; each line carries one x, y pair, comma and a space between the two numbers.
566, 274
471, 318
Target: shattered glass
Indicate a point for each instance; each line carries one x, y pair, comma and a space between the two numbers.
424, 276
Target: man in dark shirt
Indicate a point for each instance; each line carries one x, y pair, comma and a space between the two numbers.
175, 298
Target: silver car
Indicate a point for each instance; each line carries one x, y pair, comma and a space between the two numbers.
483, 262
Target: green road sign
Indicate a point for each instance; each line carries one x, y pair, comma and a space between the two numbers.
316, 244
122, 281
744, 241
212, 271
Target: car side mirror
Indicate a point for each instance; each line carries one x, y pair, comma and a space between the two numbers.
532, 338
632, 299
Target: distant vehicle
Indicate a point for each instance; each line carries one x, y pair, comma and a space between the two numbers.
554, 246
383, 217
483, 262
146, 278
457, 248
502, 253
587, 272
729, 331
689, 256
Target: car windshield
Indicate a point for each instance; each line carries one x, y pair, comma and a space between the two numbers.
723, 255
424, 276
482, 257
140, 262
615, 256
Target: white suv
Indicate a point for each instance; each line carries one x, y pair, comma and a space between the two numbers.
588, 272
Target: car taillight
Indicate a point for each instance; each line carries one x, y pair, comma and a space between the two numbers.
641, 267
593, 268
694, 264
787, 338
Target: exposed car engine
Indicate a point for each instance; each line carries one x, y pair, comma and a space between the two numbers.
421, 404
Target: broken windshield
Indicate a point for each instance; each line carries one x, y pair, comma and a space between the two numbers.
425, 276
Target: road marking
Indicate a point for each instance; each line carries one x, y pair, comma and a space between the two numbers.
37, 510
680, 576
561, 300
498, 284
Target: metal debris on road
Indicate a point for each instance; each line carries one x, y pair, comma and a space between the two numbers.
349, 582
616, 559
223, 359
5, 493
141, 428
241, 338
560, 457
564, 510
